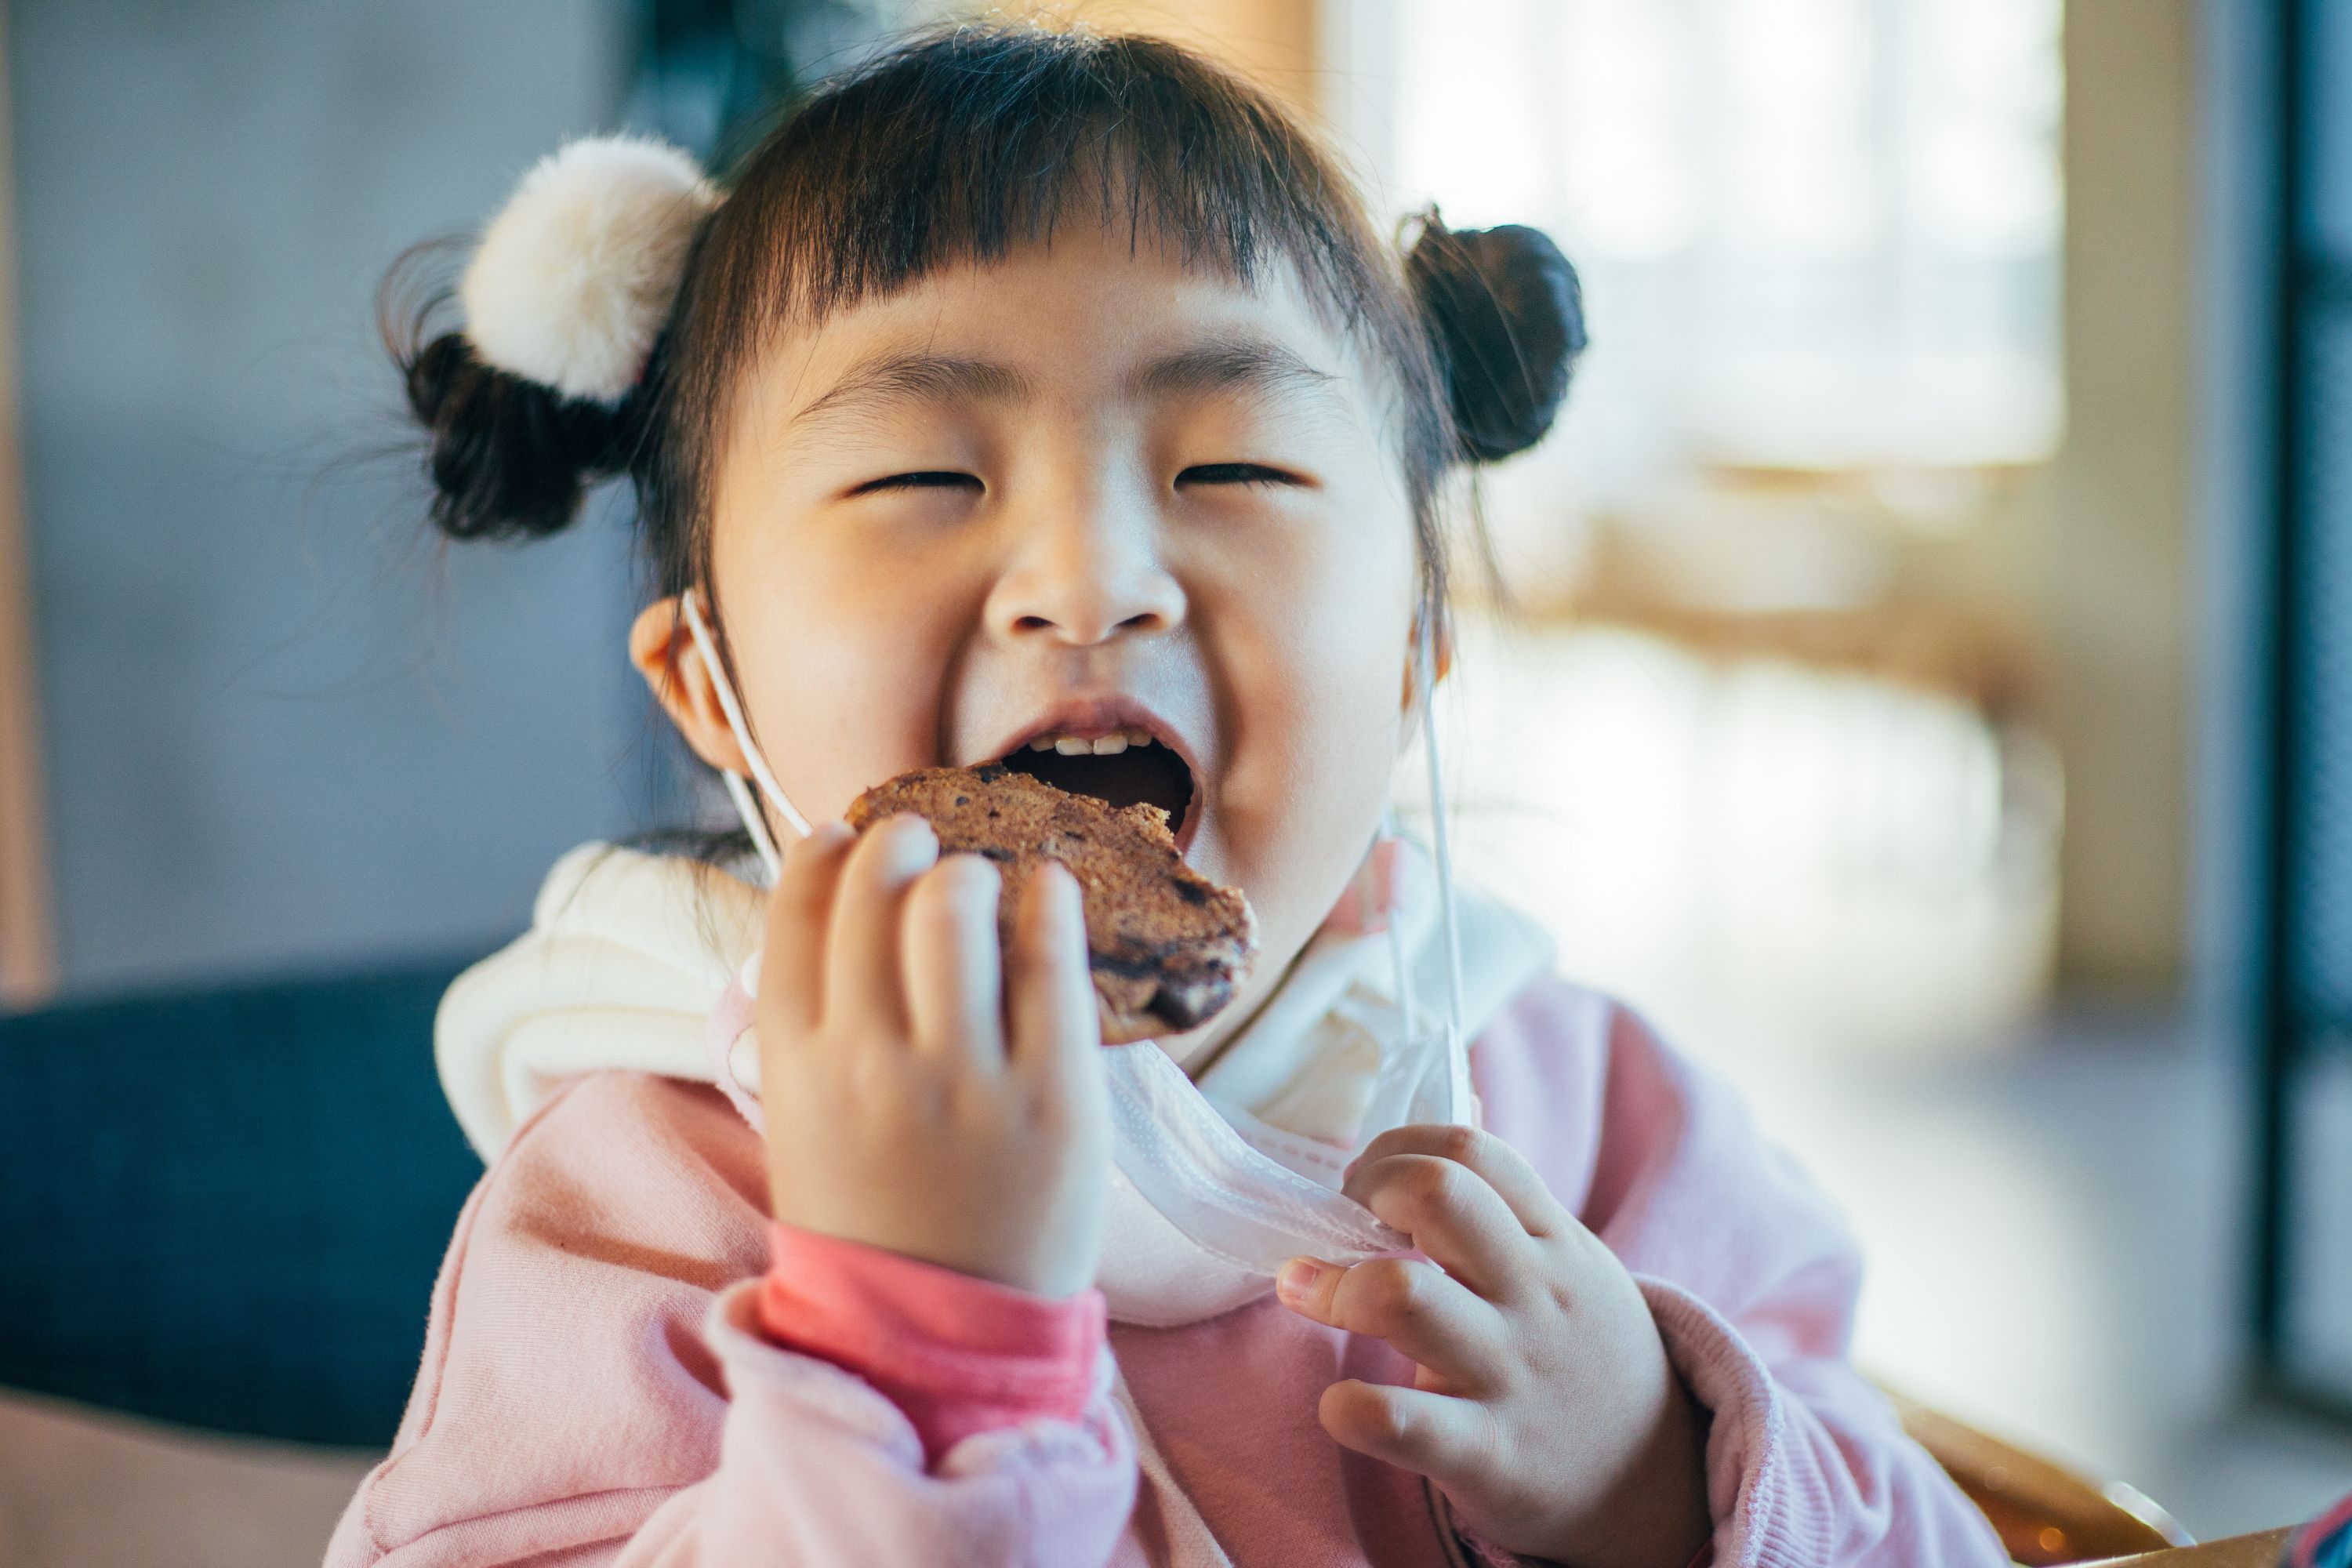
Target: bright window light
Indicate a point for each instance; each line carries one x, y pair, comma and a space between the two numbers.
1815, 233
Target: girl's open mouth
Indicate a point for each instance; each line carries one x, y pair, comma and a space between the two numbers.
1123, 767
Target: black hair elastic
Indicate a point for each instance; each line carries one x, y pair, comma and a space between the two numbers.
1507, 317
510, 458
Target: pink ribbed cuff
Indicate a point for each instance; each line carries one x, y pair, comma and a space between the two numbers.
959, 1354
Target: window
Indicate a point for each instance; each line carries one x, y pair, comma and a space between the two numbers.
1769, 795
1818, 235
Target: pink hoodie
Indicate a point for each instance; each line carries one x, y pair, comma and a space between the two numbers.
597, 1387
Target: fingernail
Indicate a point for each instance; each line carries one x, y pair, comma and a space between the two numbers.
1054, 879
917, 845
1297, 1278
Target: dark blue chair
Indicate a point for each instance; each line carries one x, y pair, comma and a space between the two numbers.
225, 1209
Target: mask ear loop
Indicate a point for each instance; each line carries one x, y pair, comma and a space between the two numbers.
745, 806
1400, 972
1461, 1092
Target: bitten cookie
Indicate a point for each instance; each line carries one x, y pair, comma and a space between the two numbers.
1167, 947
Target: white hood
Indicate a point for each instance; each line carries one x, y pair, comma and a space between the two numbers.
1215, 1181
626, 954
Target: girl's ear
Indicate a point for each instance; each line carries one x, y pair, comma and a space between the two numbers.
666, 656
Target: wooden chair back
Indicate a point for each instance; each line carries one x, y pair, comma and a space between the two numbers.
2043, 1511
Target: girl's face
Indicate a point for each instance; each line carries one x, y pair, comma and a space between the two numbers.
1077, 495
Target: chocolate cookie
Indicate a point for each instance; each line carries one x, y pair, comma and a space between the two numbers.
1167, 947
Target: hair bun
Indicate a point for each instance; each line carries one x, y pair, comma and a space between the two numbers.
510, 458
1506, 315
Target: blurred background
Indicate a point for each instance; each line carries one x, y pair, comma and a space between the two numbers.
1920, 675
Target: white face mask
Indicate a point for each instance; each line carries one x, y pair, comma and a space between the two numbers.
1207, 1202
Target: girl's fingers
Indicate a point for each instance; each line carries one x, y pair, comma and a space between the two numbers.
1056, 1032
954, 972
861, 963
1053, 995
1430, 1318
792, 964
1451, 1214
1434, 1434
1500, 1166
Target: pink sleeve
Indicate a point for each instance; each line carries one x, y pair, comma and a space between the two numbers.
958, 1355
817, 1469
597, 1386
1752, 1278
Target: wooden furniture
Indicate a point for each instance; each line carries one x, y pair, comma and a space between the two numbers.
2047, 1513
2260, 1551
2043, 1511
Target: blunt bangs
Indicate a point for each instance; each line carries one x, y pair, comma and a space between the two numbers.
968, 143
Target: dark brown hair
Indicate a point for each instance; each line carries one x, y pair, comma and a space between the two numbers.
960, 146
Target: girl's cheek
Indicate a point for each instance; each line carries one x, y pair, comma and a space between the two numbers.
844, 682
879, 684
1322, 699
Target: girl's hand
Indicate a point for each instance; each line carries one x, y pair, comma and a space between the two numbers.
923, 1093
1544, 1403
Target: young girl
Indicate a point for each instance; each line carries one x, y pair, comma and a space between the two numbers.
1047, 398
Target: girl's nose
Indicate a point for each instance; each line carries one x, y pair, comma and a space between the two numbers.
1084, 572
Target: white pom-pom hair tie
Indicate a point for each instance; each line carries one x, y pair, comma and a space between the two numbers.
576, 276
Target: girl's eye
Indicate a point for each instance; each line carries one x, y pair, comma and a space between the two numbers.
923, 480
1237, 474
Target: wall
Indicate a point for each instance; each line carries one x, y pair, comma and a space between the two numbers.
27, 956
1272, 41
283, 729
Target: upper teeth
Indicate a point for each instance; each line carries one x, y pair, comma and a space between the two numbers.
1108, 745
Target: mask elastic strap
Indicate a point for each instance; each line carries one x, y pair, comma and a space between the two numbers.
745, 806
1457, 1050
1400, 972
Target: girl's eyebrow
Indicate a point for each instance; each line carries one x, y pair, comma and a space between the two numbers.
1233, 364
916, 378
1243, 364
